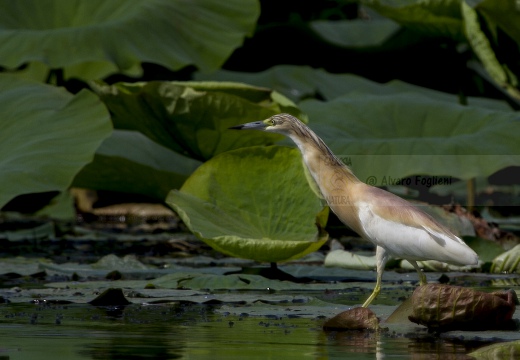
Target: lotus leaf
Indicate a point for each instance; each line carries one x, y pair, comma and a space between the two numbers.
192, 118
501, 350
349, 260
502, 13
429, 17
444, 307
355, 33
303, 82
93, 38
508, 261
253, 203
386, 138
130, 162
483, 48
46, 135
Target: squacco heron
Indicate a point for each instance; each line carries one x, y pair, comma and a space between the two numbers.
396, 227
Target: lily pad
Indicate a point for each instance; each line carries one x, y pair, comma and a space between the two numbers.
192, 118
349, 260
253, 203
37, 231
502, 350
95, 38
444, 307
46, 135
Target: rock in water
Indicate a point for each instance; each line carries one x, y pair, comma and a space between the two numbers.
443, 308
354, 319
110, 297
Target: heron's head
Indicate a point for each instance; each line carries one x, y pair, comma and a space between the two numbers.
280, 123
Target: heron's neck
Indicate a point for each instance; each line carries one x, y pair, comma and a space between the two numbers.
320, 160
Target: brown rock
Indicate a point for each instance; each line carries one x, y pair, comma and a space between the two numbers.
354, 319
110, 297
444, 307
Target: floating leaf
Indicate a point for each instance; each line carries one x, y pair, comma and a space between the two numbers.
94, 38
252, 203
502, 350
20, 265
193, 118
113, 262
349, 260
31, 231
444, 307
46, 136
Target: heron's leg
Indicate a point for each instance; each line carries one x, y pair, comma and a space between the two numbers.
381, 258
422, 277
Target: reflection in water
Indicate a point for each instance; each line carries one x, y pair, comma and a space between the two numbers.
381, 345
436, 348
143, 332
194, 331
152, 342
350, 343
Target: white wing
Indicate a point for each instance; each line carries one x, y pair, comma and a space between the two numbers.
411, 242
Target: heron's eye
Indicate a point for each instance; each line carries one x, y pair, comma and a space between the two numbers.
272, 122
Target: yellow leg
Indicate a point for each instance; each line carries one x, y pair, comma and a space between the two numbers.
422, 277
382, 258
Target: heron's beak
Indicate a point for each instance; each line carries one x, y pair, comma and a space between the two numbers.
256, 125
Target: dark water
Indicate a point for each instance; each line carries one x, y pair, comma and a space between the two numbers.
77, 331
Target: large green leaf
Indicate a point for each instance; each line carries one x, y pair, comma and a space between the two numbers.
46, 135
295, 82
253, 203
483, 46
460, 21
93, 38
503, 14
193, 118
130, 162
388, 137
303, 82
355, 33
429, 17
